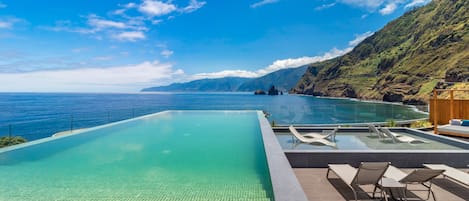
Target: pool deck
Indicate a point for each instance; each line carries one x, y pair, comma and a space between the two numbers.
318, 187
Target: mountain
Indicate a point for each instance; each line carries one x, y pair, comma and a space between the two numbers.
283, 80
403, 61
227, 84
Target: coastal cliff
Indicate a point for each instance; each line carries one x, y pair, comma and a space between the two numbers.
403, 61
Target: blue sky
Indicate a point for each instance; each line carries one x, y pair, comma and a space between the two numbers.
126, 45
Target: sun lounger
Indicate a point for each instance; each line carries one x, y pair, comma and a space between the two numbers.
450, 172
330, 134
461, 131
369, 173
400, 138
310, 140
419, 176
374, 130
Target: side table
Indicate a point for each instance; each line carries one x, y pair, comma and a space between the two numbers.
388, 185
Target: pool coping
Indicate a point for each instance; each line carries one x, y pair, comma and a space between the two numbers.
284, 182
400, 158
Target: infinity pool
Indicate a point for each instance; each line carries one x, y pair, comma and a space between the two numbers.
191, 155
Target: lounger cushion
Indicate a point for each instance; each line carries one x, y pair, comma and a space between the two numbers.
455, 122
453, 129
465, 123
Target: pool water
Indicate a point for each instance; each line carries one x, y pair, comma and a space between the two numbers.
362, 141
195, 155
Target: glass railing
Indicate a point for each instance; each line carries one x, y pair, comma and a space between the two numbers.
282, 114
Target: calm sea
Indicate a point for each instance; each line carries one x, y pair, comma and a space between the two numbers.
39, 115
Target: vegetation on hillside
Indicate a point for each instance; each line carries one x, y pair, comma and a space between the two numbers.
457, 94
402, 62
11, 140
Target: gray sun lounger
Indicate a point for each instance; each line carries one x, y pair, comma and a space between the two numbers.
450, 172
373, 130
418, 176
369, 173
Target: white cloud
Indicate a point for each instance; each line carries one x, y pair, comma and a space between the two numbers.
122, 26
415, 3
325, 6
385, 7
167, 53
156, 8
9, 22
129, 78
98, 23
388, 9
286, 63
290, 63
156, 21
225, 73
369, 4
275, 66
5, 25
193, 6
262, 3
130, 36
359, 38
130, 5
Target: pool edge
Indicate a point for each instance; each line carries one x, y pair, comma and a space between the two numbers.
284, 182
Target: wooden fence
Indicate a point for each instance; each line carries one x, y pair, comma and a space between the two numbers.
442, 110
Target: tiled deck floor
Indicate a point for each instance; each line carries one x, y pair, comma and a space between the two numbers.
318, 188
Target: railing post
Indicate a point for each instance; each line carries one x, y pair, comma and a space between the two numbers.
451, 106
355, 112
71, 123
435, 115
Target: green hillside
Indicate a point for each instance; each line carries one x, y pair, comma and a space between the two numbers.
403, 61
227, 84
283, 80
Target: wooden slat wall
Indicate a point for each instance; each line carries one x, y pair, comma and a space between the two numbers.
460, 110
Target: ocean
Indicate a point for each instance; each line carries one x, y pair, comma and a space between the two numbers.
39, 115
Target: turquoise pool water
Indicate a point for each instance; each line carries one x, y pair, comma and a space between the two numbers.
197, 155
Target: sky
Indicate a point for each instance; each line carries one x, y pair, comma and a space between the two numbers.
127, 45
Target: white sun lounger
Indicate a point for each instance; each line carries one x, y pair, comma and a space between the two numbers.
310, 140
369, 173
418, 176
453, 173
330, 134
396, 138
